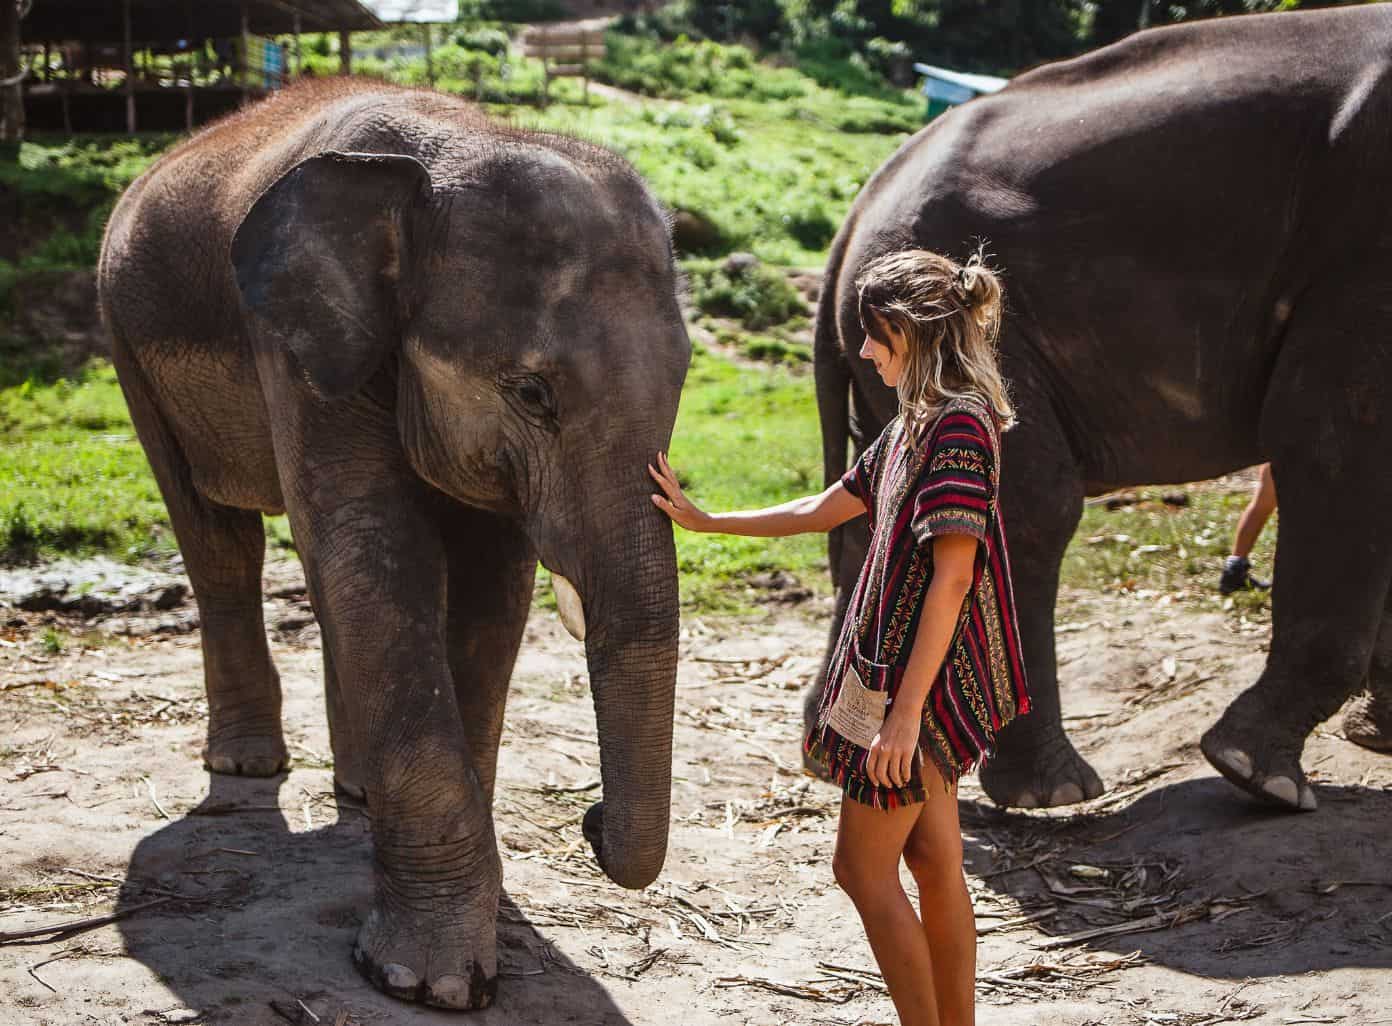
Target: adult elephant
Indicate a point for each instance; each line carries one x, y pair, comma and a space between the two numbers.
447, 348
1198, 267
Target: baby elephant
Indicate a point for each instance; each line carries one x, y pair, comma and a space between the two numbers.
448, 349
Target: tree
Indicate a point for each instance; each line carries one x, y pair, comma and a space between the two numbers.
11, 75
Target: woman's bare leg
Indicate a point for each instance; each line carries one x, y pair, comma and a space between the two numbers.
1255, 516
869, 844
934, 857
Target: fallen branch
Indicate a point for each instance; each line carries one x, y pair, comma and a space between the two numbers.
78, 925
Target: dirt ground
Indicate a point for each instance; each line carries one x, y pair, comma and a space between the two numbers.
1171, 901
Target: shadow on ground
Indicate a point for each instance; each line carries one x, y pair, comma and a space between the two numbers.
1244, 892
256, 918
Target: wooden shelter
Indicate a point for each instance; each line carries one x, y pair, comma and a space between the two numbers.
113, 65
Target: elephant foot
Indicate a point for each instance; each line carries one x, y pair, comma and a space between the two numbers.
422, 957
246, 751
1041, 775
1368, 722
1249, 751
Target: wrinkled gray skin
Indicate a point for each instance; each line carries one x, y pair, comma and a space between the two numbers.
444, 362
1197, 259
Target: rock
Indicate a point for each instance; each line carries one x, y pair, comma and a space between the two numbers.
782, 587
739, 264
94, 587
1177, 499
169, 596
693, 233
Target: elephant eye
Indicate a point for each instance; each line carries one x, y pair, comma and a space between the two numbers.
535, 395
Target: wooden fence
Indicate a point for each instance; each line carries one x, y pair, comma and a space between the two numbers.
565, 51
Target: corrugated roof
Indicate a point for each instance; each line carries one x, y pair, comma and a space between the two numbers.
427, 11
976, 83
162, 21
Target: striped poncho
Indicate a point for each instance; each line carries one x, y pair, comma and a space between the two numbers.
912, 493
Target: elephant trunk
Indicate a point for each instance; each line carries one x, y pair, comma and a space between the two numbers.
631, 627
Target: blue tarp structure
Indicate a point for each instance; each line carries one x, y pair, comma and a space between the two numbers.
946, 88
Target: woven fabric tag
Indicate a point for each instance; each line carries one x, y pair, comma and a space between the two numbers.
858, 712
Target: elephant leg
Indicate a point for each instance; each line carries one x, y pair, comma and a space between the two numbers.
223, 551
492, 571
429, 933
1368, 717
1328, 438
343, 740
1036, 764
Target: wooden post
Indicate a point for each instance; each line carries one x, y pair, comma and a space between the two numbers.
345, 52
11, 73
585, 62
130, 67
297, 43
429, 60
188, 90
246, 54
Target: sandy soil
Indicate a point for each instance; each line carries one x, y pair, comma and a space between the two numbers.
241, 898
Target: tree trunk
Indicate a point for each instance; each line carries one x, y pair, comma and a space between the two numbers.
11, 90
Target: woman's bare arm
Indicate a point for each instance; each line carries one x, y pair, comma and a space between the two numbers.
810, 513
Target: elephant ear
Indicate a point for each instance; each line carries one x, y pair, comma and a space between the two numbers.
319, 259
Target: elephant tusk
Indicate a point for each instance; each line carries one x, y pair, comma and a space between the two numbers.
571, 608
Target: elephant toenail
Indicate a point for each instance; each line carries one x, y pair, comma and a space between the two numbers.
396, 977
1028, 800
1066, 794
1238, 761
1283, 789
450, 991
1308, 801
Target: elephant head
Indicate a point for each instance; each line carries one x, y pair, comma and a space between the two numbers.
525, 303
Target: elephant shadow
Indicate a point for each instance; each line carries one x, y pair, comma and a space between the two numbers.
1240, 891
243, 919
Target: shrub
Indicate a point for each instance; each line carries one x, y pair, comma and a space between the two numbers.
806, 220
758, 295
489, 40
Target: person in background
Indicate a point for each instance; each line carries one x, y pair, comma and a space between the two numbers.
1236, 568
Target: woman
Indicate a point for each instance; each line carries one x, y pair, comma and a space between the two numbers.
927, 669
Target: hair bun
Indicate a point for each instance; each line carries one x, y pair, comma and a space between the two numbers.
978, 289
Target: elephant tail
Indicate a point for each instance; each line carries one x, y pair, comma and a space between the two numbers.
833, 379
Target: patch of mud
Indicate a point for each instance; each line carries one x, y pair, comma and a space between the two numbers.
1170, 900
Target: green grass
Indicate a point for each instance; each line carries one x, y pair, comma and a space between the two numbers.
1166, 550
745, 437
75, 478
774, 178
77, 483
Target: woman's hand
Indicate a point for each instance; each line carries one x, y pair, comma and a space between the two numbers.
891, 758
674, 501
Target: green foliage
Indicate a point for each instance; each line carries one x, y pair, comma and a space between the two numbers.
1148, 545
759, 296
492, 41
65, 192
74, 477
773, 350
745, 437
53, 640
685, 68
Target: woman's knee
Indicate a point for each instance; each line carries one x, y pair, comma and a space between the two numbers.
861, 879
934, 861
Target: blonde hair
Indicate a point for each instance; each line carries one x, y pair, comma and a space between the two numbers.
950, 316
